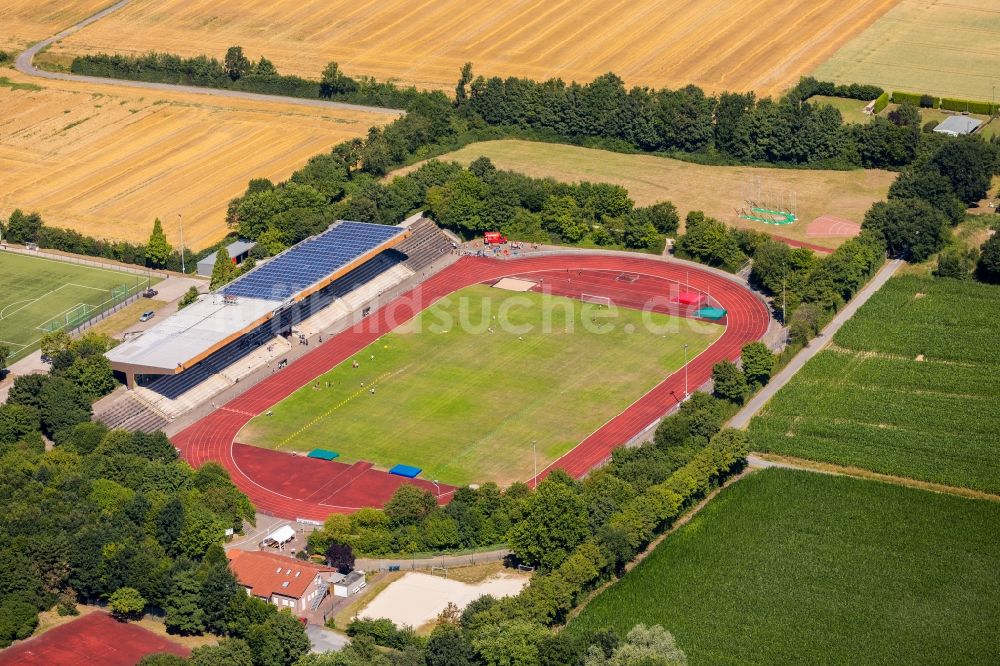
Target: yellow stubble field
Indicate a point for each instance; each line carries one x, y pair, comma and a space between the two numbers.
106, 160
764, 45
24, 22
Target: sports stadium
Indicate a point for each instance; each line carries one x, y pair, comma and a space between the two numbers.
370, 356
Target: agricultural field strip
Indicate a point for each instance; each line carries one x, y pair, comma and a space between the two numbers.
909, 388
761, 44
864, 572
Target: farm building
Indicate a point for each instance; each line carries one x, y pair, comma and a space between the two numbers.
282, 581
958, 125
238, 251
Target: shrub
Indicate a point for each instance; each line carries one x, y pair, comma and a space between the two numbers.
913, 98
929, 126
927, 102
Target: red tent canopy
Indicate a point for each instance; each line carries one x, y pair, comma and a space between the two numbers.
690, 298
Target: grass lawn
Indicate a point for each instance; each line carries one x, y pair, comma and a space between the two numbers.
852, 110
35, 292
788, 567
909, 388
716, 190
465, 404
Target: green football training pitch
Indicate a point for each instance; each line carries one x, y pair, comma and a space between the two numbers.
462, 395
38, 295
790, 567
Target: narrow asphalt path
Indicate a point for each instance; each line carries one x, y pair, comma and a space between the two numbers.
742, 418
25, 65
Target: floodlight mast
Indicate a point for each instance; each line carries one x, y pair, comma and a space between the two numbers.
180, 221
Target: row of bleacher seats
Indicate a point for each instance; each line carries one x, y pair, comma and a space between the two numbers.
425, 245
130, 414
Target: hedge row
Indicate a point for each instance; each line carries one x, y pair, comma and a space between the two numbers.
881, 102
550, 597
810, 87
947, 103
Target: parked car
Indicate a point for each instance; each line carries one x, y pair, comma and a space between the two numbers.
146, 316
149, 293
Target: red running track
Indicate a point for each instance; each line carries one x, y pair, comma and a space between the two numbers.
291, 486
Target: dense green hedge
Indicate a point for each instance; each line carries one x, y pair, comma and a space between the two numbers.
809, 87
881, 102
965, 105
913, 98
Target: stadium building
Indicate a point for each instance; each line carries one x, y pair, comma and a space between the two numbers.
255, 323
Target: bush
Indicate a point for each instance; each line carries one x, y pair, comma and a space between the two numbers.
385, 633
927, 102
930, 125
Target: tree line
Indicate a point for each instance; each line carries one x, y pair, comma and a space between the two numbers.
237, 72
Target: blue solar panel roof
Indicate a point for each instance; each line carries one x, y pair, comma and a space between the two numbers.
312, 260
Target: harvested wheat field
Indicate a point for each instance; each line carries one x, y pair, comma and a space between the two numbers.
107, 160
940, 47
757, 44
715, 190
28, 21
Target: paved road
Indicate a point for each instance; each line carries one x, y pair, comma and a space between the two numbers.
25, 65
743, 417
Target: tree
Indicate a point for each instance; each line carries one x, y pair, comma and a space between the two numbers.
969, 163
447, 646
126, 604
409, 505
189, 297
957, 263
758, 363
555, 525
218, 589
464, 79
341, 556
509, 642
334, 82
562, 216
236, 63
5, 353
729, 381
912, 228
291, 635
652, 646
223, 271
183, 613
988, 267
158, 251
229, 652
23, 228
16, 422
63, 405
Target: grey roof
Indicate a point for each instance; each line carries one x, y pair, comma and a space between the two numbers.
351, 578
234, 249
957, 125
208, 322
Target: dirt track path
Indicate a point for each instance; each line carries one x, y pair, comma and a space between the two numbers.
25, 65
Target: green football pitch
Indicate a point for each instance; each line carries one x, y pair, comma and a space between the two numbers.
462, 394
39, 295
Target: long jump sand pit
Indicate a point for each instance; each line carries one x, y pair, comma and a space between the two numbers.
764, 45
418, 598
105, 160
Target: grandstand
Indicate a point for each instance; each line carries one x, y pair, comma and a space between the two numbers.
260, 319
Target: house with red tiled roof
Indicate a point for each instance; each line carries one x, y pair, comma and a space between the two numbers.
283, 581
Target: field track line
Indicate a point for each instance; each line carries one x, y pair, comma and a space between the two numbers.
25, 65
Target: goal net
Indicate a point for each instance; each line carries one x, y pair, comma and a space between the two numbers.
602, 301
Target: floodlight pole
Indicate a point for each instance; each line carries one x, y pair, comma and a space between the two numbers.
534, 457
685, 371
180, 221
